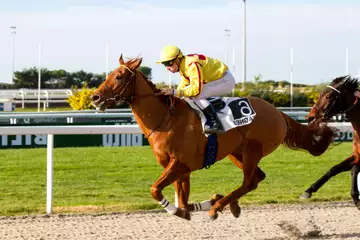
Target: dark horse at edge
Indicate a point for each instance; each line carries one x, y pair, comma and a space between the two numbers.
338, 98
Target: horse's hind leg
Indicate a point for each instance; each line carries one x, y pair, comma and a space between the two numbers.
182, 191
204, 205
251, 155
236, 158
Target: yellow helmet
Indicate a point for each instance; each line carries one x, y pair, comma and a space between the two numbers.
169, 53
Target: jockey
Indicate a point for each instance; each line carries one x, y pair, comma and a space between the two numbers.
201, 77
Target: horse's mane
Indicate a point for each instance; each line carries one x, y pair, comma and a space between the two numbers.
151, 84
346, 82
163, 98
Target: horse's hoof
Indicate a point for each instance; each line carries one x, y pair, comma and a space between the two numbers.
357, 205
235, 209
305, 195
183, 213
213, 216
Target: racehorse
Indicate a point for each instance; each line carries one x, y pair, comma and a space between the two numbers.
176, 136
337, 98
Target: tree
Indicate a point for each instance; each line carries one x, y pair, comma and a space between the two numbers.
28, 78
59, 79
6, 86
161, 85
80, 78
146, 71
96, 80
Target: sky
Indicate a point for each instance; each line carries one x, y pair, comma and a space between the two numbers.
74, 35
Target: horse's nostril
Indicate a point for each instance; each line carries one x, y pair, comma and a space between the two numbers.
95, 98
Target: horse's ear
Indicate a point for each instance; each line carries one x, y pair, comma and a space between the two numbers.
135, 64
121, 60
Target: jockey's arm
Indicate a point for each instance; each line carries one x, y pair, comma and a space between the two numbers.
183, 83
193, 86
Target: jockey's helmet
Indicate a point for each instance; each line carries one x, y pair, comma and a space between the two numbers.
169, 53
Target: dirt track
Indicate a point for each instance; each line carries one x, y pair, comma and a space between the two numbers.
310, 221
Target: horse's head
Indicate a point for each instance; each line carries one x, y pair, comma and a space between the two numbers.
338, 97
119, 85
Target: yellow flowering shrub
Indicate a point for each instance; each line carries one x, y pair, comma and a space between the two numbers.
81, 98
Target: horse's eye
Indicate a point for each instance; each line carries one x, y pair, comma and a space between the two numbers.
328, 96
118, 77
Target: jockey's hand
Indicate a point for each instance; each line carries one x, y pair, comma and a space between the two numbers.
168, 91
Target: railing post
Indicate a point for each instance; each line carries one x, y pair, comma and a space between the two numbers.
49, 180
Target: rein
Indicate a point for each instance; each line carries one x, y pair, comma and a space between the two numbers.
169, 113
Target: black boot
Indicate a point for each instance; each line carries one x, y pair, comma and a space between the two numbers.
215, 125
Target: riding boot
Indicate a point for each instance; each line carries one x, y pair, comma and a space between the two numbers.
215, 125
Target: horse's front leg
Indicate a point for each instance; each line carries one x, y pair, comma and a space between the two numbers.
170, 174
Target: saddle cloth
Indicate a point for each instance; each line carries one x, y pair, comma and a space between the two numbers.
232, 111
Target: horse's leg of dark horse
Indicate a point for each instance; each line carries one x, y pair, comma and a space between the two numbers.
354, 185
172, 172
236, 158
251, 155
345, 165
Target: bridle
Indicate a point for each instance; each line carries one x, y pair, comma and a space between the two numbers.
121, 97
325, 113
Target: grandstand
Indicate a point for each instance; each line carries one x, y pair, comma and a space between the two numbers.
29, 97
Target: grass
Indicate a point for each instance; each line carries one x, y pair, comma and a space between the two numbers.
118, 179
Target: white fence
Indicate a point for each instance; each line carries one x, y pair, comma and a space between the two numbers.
75, 130
31, 96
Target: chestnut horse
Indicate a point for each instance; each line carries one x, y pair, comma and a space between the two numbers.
337, 98
176, 136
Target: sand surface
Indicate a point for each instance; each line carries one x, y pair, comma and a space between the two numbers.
303, 221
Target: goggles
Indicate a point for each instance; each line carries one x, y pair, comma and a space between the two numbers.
171, 62
168, 63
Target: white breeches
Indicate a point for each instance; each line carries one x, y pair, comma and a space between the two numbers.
219, 87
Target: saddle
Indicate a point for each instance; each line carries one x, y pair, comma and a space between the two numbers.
232, 111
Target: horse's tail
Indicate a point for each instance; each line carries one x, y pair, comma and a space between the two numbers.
315, 138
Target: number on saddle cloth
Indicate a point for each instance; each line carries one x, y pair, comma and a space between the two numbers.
231, 111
